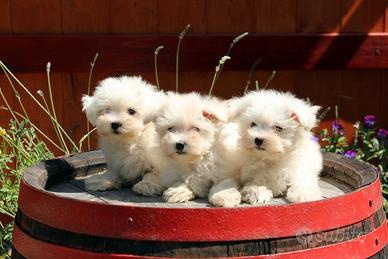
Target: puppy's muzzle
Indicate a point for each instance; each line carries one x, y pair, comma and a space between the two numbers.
259, 142
179, 147
115, 127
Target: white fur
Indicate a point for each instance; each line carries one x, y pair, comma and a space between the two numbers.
124, 148
288, 162
181, 176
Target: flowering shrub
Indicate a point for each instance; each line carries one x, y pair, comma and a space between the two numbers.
370, 144
20, 147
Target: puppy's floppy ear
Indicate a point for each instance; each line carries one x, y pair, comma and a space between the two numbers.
161, 123
305, 115
215, 115
235, 107
154, 104
89, 109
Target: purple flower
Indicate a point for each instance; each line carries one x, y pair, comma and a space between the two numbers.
337, 128
369, 121
350, 153
382, 133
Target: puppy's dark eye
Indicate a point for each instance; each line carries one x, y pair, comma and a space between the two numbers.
171, 129
253, 125
196, 129
278, 128
131, 111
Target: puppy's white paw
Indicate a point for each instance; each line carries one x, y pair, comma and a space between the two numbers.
178, 194
148, 188
254, 194
100, 183
303, 194
226, 198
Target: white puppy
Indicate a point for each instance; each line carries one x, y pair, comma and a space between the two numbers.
268, 151
185, 133
120, 108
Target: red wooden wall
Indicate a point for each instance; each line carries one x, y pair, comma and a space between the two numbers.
356, 92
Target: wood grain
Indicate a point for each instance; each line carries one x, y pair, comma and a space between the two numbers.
6, 89
78, 17
72, 53
359, 89
275, 16
383, 103
133, 16
35, 82
36, 16
318, 16
230, 16
5, 16
174, 15
363, 16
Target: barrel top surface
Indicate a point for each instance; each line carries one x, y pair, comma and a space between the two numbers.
53, 192
125, 196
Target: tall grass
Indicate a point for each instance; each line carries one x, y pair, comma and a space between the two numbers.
23, 143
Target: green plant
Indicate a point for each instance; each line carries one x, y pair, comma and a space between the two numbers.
369, 144
21, 145
20, 148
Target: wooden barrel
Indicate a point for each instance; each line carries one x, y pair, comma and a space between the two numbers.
57, 218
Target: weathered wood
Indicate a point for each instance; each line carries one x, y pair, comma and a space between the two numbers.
121, 53
124, 196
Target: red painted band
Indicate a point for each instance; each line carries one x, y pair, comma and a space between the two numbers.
361, 247
33, 248
199, 224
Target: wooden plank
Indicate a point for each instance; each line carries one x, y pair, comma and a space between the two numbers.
386, 24
275, 16
133, 16
363, 16
383, 103
283, 80
359, 89
79, 17
5, 17
174, 15
121, 53
124, 196
76, 85
36, 16
6, 89
318, 16
35, 82
321, 87
222, 16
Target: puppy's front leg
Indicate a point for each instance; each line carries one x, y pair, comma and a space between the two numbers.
303, 190
149, 185
102, 182
225, 194
255, 194
179, 192
200, 185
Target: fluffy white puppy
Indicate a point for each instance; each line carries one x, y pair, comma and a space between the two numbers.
185, 134
120, 108
268, 151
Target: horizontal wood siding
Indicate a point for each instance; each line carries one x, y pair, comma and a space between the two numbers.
357, 92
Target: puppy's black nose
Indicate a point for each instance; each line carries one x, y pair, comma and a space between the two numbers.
259, 141
115, 125
180, 146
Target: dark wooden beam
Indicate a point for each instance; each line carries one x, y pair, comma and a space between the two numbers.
126, 53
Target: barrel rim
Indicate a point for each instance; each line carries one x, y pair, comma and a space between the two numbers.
132, 222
